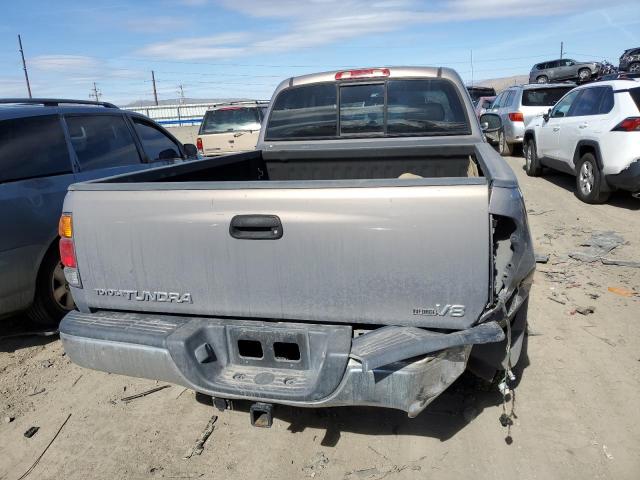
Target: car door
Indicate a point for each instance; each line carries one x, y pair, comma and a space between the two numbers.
583, 122
35, 171
565, 70
550, 131
159, 148
103, 145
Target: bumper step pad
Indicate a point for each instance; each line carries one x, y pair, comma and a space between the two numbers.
392, 344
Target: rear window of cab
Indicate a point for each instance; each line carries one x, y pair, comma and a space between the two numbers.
412, 107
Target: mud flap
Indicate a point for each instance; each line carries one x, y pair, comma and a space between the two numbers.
391, 344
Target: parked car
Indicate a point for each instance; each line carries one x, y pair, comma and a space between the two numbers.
517, 105
476, 92
46, 145
563, 69
231, 128
483, 105
298, 273
592, 133
630, 61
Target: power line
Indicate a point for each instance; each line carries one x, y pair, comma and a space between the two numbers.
24, 66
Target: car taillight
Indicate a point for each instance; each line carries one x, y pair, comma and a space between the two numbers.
68, 250
67, 253
630, 124
516, 117
363, 73
199, 145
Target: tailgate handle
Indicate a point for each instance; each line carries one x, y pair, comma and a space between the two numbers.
256, 227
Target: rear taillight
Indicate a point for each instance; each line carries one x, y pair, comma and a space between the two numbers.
516, 117
363, 73
68, 250
631, 124
67, 253
199, 145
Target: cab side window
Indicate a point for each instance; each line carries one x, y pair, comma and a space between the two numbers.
156, 144
588, 103
101, 141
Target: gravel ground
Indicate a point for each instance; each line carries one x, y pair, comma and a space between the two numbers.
576, 403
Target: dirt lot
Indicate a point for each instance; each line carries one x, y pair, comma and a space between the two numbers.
577, 402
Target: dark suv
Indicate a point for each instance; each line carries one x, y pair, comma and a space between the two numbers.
630, 61
563, 69
46, 145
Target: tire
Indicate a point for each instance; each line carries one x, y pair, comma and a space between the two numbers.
504, 147
634, 67
542, 79
589, 181
52, 299
584, 74
531, 163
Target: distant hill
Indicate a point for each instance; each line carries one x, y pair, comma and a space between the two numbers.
175, 101
501, 83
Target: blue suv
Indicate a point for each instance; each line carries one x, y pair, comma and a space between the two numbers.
46, 145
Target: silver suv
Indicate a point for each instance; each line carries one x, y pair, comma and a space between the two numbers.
563, 69
517, 105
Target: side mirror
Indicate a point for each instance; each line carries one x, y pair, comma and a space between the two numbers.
191, 150
490, 122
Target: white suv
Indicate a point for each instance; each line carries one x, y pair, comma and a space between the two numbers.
593, 133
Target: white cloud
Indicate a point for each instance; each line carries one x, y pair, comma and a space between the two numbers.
313, 23
63, 63
157, 24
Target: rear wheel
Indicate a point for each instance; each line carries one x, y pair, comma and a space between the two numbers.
531, 163
584, 74
589, 181
634, 67
542, 79
53, 298
504, 147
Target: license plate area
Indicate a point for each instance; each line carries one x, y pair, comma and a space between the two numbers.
268, 347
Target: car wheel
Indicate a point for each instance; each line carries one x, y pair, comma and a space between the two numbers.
634, 67
53, 298
542, 79
504, 147
584, 74
589, 181
531, 162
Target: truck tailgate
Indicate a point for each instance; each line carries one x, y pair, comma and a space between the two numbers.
415, 255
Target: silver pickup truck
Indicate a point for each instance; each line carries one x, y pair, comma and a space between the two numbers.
372, 248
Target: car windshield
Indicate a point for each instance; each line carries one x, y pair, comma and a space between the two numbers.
230, 119
543, 97
392, 108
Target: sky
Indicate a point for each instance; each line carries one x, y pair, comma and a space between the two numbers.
244, 48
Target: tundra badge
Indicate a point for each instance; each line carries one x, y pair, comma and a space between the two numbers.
146, 295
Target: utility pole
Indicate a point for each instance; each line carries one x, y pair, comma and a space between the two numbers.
155, 92
96, 93
24, 66
472, 67
561, 49
181, 91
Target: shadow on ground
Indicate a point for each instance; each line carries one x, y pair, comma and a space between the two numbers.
618, 199
447, 415
19, 332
